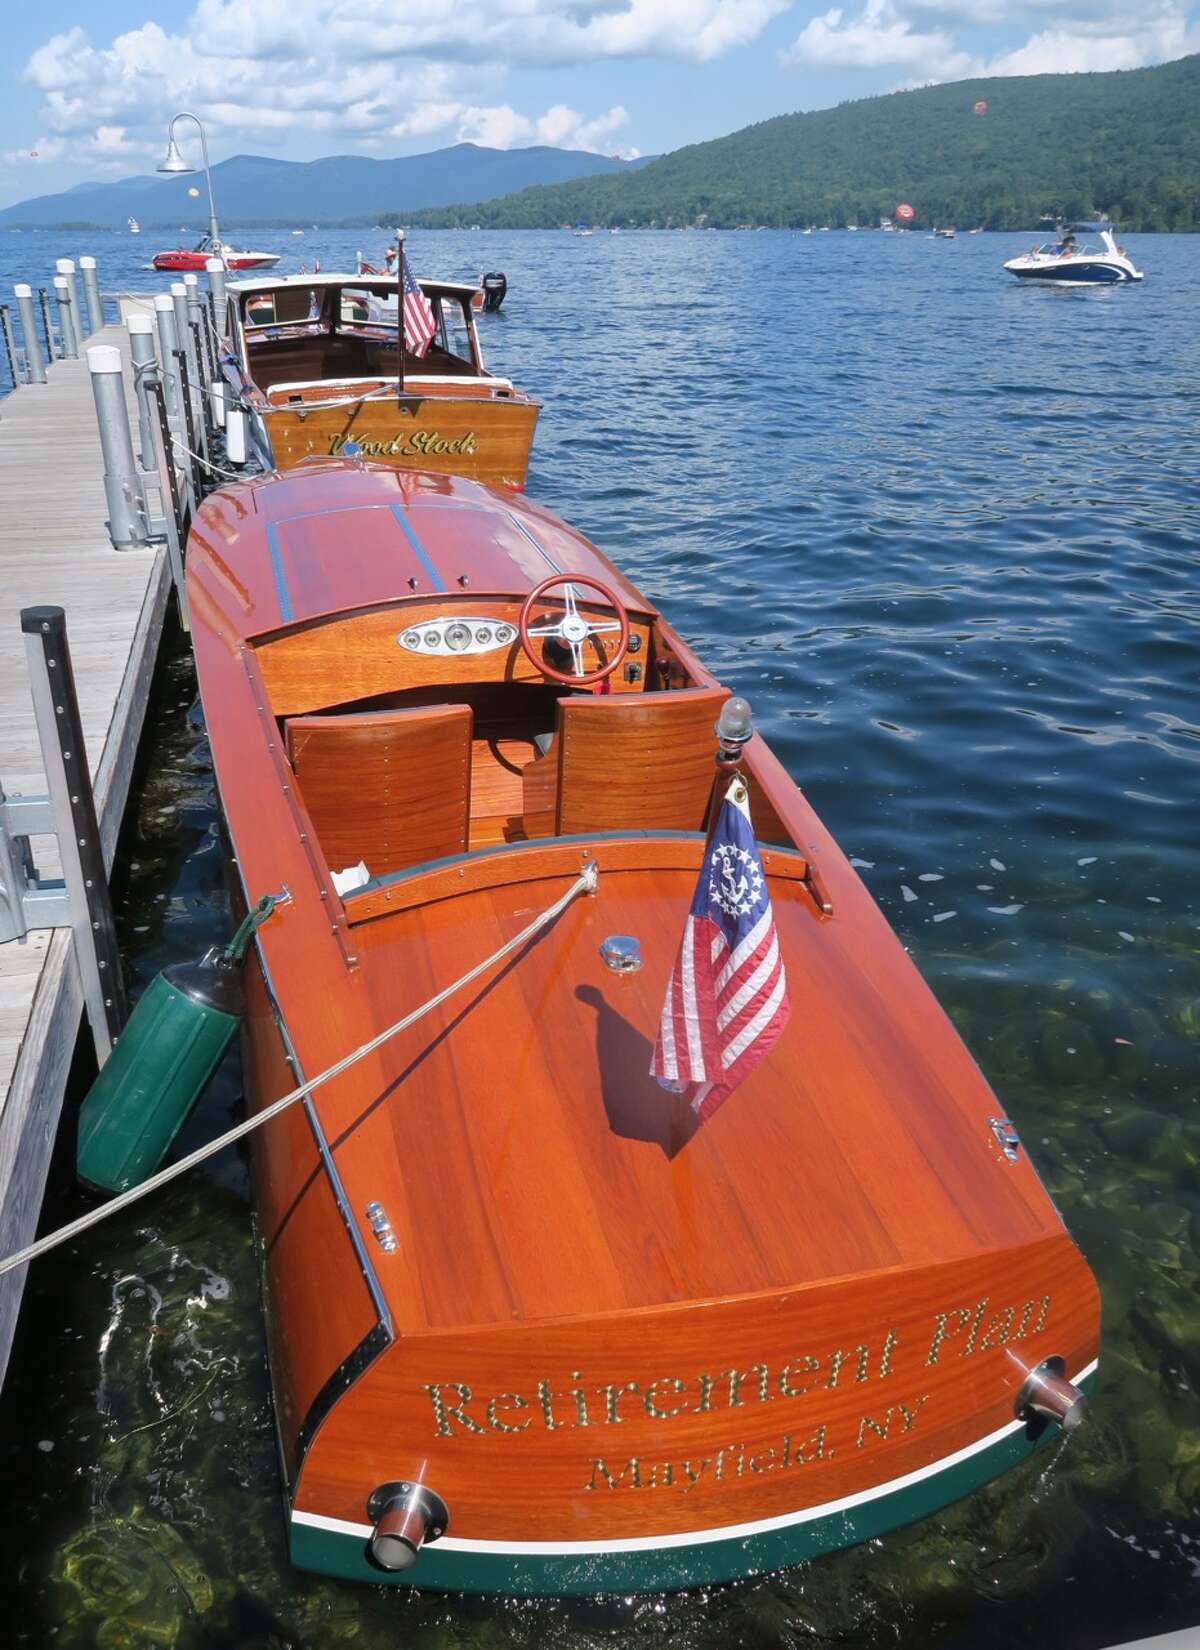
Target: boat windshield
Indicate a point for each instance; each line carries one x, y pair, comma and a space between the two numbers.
343, 321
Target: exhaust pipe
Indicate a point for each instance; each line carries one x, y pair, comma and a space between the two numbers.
1047, 1395
405, 1517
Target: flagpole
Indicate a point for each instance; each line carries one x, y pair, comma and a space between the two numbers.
399, 316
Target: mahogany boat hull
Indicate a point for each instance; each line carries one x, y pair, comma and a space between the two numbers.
500, 1261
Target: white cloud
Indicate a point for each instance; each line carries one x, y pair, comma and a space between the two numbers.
509, 31
925, 38
367, 73
878, 37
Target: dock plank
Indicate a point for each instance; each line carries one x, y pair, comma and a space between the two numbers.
55, 549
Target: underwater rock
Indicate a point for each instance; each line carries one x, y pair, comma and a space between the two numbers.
139, 1576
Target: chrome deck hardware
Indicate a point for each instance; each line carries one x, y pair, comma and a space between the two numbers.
622, 953
382, 1228
1007, 1137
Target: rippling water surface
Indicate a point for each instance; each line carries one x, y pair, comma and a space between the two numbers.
943, 531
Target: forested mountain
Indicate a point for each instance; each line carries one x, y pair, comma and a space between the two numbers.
1074, 144
259, 189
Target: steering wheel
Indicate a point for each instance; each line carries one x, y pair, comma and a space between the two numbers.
573, 629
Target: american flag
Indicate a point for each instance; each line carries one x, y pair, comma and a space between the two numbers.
727, 1001
419, 324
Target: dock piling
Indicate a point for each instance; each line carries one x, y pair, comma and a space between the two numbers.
173, 525
35, 367
91, 294
168, 343
126, 523
145, 366
10, 346
215, 270
201, 359
66, 319
66, 268
48, 330
60, 733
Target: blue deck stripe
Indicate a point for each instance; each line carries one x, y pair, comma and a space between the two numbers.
541, 549
417, 547
286, 612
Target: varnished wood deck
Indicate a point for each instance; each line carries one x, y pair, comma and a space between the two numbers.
55, 549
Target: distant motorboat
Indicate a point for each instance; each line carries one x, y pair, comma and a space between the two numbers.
852, 229
1070, 264
185, 258
943, 234
887, 226
297, 231
135, 227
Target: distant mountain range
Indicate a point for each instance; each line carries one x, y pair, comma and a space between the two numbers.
254, 190
1001, 153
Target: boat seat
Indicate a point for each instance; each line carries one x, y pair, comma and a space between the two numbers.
626, 762
389, 787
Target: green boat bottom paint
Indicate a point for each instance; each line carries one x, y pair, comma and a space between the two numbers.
654, 1564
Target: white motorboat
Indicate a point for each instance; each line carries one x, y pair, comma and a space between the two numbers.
1072, 263
135, 227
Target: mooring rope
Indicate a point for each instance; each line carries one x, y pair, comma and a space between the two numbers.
585, 883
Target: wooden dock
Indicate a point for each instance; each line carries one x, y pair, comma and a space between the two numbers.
55, 549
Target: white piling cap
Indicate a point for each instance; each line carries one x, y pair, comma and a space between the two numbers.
22, 290
140, 323
191, 278
162, 300
213, 264
178, 290
65, 266
103, 358
61, 284
87, 263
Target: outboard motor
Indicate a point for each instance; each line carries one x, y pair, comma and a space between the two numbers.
494, 285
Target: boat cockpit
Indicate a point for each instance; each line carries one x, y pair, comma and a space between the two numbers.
305, 339
411, 735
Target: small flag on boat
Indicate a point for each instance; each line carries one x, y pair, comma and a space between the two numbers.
727, 1001
419, 325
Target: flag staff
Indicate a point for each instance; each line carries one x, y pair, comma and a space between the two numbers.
399, 316
734, 729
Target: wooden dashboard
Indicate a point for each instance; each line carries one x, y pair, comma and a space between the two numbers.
418, 645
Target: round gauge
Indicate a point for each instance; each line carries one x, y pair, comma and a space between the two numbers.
458, 637
410, 639
432, 639
504, 633
483, 634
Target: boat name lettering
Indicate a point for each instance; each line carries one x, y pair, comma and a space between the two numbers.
730, 1461
961, 1332
457, 1411
1000, 1328
736, 1460
408, 444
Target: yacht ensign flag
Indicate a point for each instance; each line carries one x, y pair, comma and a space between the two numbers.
727, 1001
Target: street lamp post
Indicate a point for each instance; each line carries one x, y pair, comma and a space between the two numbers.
175, 163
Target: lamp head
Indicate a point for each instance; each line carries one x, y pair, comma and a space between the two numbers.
174, 161
734, 728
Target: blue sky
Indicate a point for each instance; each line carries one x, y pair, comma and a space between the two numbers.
88, 94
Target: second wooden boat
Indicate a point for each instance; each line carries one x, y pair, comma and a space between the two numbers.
315, 364
533, 1330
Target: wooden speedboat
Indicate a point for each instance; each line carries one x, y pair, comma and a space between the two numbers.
314, 361
529, 1325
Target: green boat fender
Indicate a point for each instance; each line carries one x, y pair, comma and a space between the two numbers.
162, 1062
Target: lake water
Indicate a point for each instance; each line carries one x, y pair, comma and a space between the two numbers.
943, 531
